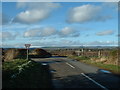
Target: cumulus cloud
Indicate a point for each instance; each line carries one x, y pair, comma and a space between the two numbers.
47, 31
86, 13
51, 31
13, 45
101, 43
69, 31
107, 32
7, 35
40, 32
31, 16
39, 5
35, 12
66, 42
70, 42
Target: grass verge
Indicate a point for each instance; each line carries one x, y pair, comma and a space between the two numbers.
33, 75
113, 68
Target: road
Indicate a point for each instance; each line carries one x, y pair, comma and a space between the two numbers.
68, 73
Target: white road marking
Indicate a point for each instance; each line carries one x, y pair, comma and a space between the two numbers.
70, 65
94, 81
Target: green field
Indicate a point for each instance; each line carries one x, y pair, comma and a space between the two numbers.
113, 68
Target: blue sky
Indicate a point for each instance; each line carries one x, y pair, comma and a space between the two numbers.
59, 24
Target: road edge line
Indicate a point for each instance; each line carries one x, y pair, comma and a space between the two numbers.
70, 65
94, 81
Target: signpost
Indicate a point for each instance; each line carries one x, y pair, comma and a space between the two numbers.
27, 47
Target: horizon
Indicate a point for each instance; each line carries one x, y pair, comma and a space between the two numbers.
68, 47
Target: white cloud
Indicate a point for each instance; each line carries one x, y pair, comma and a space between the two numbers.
13, 45
66, 42
62, 42
21, 4
38, 5
31, 16
7, 36
69, 31
35, 12
47, 31
51, 31
86, 13
107, 32
70, 42
32, 33
99, 43
40, 32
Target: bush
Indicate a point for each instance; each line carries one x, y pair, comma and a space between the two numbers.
79, 57
84, 58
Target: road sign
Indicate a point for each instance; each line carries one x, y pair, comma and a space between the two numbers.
27, 45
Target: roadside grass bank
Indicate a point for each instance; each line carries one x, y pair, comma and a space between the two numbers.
112, 68
21, 73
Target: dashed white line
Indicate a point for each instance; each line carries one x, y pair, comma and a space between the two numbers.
70, 65
94, 81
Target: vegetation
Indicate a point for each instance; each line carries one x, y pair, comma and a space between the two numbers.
22, 73
40, 53
80, 57
12, 53
113, 68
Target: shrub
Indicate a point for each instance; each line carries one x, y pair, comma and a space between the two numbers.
84, 58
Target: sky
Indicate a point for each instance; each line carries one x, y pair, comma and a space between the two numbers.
51, 24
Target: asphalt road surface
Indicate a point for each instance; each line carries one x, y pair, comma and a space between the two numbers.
68, 73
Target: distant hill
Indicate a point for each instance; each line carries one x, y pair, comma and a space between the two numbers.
74, 47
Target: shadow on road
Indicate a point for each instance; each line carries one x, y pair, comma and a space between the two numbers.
109, 81
79, 81
38, 56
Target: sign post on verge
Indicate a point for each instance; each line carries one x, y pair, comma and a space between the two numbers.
27, 47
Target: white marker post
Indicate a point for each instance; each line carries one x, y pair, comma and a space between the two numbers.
78, 53
27, 47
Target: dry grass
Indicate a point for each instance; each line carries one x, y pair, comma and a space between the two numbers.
11, 54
